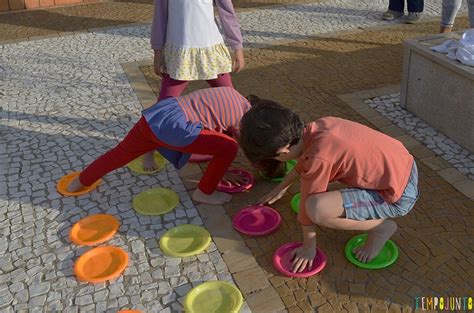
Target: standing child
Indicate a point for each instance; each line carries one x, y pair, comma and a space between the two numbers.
188, 46
177, 127
381, 174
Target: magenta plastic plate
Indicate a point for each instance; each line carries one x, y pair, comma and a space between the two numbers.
197, 158
230, 188
257, 220
282, 261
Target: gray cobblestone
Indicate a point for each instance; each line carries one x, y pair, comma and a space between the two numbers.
83, 300
39, 289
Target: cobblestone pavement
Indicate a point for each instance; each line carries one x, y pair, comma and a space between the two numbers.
389, 106
66, 100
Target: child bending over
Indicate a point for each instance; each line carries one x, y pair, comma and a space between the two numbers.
177, 127
381, 174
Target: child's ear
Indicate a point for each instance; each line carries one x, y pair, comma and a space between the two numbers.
284, 150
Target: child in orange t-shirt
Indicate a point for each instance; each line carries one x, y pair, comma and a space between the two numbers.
381, 174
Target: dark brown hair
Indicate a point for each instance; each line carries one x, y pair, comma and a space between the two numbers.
265, 128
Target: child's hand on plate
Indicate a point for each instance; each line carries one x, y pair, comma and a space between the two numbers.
234, 179
302, 259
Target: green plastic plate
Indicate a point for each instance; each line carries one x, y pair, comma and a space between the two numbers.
289, 167
295, 202
387, 256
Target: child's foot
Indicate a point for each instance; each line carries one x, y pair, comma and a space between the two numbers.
149, 162
376, 239
75, 185
216, 197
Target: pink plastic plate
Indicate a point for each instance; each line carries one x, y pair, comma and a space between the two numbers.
197, 158
282, 261
230, 188
257, 220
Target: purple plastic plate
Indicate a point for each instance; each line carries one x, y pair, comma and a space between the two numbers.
282, 261
231, 188
257, 220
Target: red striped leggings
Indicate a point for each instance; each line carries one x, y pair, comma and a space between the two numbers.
141, 140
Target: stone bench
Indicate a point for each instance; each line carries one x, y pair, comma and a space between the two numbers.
439, 90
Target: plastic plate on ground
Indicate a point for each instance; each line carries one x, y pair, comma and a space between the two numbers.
295, 202
94, 229
64, 182
137, 164
101, 264
386, 257
257, 220
289, 166
155, 201
283, 257
197, 158
231, 188
213, 297
185, 240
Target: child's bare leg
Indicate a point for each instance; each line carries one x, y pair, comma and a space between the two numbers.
149, 162
216, 197
75, 185
326, 209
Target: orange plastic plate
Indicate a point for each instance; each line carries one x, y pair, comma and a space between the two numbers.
64, 182
94, 229
101, 264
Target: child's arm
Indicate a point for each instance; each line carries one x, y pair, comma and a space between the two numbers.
231, 27
281, 188
158, 27
304, 255
158, 33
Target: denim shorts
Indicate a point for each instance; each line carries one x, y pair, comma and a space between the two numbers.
364, 204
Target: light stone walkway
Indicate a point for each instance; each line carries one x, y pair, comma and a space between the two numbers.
66, 100
389, 106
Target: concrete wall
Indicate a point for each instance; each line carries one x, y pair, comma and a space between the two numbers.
439, 90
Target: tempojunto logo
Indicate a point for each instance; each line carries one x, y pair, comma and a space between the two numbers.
444, 303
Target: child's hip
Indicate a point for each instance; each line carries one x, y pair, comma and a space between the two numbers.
365, 204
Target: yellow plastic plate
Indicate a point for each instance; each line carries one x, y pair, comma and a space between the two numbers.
185, 240
213, 297
137, 164
155, 201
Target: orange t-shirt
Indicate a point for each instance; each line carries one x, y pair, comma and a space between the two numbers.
353, 154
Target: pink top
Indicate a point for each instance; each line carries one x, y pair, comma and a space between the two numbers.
219, 108
225, 10
354, 154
